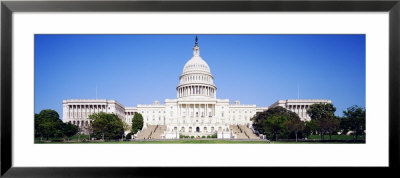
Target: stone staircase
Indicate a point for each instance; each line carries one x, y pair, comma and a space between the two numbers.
239, 133
159, 131
248, 132
152, 132
146, 133
242, 132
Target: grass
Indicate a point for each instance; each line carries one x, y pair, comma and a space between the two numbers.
337, 137
72, 139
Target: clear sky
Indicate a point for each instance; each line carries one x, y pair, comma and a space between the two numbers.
255, 69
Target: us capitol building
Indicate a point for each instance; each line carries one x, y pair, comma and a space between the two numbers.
195, 112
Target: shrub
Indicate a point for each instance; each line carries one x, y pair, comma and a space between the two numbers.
203, 136
129, 136
192, 137
214, 136
208, 136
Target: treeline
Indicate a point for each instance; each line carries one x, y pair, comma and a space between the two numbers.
102, 126
280, 123
49, 125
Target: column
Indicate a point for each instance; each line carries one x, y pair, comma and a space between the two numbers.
187, 110
213, 92
213, 112
203, 110
206, 110
69, 111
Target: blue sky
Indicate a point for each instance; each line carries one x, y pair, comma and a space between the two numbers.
255, 69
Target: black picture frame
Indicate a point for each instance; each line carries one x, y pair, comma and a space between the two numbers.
8, 7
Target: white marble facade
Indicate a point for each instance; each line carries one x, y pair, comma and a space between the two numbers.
195, 112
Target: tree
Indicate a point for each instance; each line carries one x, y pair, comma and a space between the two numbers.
99, 122
275, 125
137, 123
126, 128
323, 114
310, 127
333, 126
295, 125
48, 124
354, 120
89, 129
70, 130
106, 125
272, 122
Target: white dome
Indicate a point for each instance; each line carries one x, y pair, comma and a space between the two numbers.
195, 65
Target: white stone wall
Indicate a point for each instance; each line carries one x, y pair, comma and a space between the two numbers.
153, 114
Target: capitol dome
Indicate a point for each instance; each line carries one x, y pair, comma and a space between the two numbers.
196, 79
196, 64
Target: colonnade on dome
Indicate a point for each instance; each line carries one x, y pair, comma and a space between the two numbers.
196, 90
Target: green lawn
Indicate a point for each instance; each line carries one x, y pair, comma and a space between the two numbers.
72, 139
337, 137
